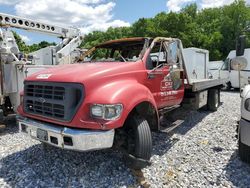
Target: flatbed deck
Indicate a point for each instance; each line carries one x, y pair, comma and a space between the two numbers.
203, 84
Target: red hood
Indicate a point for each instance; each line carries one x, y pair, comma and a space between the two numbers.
82, 71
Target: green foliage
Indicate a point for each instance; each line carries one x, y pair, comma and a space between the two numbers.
97, 37
30, 48
42, 44
21, 44
214, 29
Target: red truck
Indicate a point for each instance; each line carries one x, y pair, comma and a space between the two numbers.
115, 96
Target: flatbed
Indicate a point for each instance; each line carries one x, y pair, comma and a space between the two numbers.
203, 84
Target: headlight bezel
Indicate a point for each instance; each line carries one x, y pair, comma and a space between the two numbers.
104, 108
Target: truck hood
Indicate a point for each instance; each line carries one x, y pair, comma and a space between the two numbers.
82, 71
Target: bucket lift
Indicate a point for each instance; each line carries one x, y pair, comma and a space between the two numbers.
71, 37
15, 67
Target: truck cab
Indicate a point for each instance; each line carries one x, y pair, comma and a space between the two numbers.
112, 97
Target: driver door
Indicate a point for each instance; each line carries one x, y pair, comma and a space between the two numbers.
164, 76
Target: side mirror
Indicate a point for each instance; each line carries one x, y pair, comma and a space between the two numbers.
238, 63
240, 45
172, 56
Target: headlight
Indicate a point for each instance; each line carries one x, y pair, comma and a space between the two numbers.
106, 111
247, 104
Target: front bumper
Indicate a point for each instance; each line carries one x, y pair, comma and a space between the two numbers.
244, 131
66, 138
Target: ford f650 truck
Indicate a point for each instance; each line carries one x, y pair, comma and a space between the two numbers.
116, 95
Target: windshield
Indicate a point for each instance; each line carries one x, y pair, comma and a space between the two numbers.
225, 65
121, 51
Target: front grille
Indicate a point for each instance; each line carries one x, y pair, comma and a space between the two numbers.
47, 109
47, 92
53, 100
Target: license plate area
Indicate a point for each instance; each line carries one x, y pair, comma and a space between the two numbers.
42, 134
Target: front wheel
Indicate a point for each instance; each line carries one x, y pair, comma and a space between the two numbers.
138, 142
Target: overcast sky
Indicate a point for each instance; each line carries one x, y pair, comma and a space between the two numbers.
92, 15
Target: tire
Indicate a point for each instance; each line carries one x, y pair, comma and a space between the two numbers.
139, 142
213, 99
244, 152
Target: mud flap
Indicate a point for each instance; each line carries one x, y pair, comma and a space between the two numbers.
136, 163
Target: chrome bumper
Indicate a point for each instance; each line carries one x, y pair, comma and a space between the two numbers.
244, 130
66, 138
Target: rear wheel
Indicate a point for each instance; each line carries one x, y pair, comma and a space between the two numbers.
213, 99
138, 142
244, 151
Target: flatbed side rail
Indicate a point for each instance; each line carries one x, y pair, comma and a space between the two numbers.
199, 85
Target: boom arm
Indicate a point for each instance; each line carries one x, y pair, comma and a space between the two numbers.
31, 25
61, 53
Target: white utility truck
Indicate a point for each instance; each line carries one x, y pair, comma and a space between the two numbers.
15, 67
214, 67
225, 70
233, 75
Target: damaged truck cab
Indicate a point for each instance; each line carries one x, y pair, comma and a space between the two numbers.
112, 97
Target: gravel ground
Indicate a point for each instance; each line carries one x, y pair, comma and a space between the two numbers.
202, 152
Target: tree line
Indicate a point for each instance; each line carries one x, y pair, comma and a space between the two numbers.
23, 47
214, 29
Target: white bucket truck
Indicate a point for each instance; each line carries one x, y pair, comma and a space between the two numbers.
15, 67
